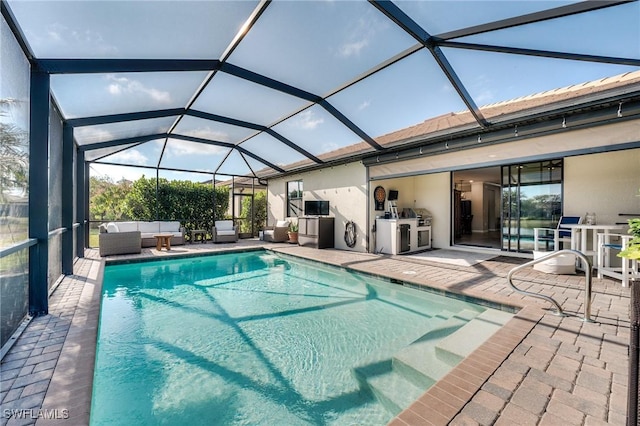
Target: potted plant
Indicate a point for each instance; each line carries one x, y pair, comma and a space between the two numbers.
633, 249
293, 233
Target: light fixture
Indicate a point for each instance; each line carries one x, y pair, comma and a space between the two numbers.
463, 186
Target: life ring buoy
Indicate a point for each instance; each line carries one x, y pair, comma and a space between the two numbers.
350, 234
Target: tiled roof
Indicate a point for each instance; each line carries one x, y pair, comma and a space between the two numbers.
548, 100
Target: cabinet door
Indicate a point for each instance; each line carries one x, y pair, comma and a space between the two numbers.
312, 226
302, 225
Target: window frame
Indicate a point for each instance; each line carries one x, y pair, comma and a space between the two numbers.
299, 189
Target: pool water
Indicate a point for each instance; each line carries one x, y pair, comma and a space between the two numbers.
257, 338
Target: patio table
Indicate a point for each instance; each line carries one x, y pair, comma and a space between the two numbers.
580, 240
163, 240
194, 234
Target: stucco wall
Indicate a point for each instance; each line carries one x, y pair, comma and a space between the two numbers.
433, 193
606, 184
429, 192
572, 142
343, 186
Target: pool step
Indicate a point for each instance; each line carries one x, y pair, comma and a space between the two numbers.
419, 362
460, 344
394, 391
399, 381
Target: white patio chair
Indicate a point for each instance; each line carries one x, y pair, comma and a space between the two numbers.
558, 235
608, 244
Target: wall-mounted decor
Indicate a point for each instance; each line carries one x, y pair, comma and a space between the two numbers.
379, 195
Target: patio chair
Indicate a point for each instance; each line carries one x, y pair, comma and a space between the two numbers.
277, 233
627, 269
558, 235
224, 231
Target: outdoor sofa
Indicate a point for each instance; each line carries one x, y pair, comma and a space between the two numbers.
121, 237
119, 242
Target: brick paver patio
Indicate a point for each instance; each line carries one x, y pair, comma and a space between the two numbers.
540, 369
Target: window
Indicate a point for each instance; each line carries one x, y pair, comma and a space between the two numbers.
294, 198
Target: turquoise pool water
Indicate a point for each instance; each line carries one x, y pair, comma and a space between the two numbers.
254, 338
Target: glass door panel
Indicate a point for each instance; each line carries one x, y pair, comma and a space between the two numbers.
531, 198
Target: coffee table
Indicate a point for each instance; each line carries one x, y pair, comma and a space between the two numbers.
163, 240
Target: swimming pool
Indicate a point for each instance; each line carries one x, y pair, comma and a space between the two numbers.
259, 338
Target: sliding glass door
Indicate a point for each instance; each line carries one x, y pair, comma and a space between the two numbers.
531, 198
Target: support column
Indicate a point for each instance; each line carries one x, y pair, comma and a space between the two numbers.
81, 200
39, 193
67, 199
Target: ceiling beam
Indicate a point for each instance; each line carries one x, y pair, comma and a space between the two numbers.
116, 118
201, 140
558, 12
124, 141
448, 70
349, 124
401, 19
227, 145
299, 93
292, 145
7, 13
394, 13
542, 53
268, 82
249, 23
223, 119
258, 127
93, 66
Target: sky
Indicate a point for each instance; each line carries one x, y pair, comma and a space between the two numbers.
317, 46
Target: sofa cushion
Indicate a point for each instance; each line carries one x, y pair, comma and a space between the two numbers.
127, 226
225, 232
224, 225
112, 227
282, 224
173, 226
152, 234
149, 227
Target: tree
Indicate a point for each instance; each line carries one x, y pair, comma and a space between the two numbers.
259, 212
14, 154
107, 199
191, 203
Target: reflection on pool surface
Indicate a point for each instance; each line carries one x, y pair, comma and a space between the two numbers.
259, 338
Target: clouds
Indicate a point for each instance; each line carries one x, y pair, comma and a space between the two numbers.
60, 37
130, 156
361, 35
208, 133
353, 48
120, 86
307, 120
183, 148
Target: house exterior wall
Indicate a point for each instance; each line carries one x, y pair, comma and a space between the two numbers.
606, 183
571, 142
344, 186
